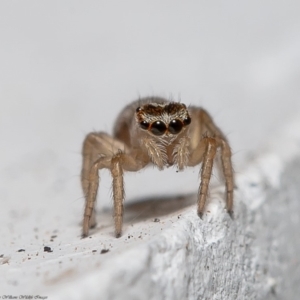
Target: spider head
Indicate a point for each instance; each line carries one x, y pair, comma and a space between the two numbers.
167, 119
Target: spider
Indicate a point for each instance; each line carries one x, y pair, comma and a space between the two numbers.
154, 131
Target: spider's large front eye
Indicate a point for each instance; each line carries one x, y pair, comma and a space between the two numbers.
175, 126
144, 125
187, 121
158, 128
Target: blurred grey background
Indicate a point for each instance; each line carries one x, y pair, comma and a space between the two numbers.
68, 67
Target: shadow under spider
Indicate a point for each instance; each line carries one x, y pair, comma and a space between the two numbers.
141, 209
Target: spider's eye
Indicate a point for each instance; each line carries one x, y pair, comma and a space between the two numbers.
144, 125
158, 128
175, 126
187, 121
138, 109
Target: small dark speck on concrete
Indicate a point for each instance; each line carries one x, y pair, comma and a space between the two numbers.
94, 251
53, 236
21, 250
104, 251
179, 216
47, 249
156, 220
1, 255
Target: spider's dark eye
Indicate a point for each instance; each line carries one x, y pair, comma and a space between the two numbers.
187, 121
138, 109
158, 128
144, 125
175, 126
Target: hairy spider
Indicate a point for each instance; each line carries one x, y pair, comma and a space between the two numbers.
153, 131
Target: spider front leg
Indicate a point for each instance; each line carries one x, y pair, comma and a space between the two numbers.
228, 174
120, 162
113, 157
95, 145
98, 149
205, 153
118, 192
93, 179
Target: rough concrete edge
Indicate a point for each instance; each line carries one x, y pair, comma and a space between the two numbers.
215, 257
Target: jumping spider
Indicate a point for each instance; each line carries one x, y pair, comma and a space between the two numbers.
153, 131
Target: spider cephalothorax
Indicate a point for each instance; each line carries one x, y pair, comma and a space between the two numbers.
159, 132
160, 119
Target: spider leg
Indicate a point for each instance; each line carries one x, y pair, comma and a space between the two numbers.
206, 171
96, 144
228, 174
103, 151
118, 193
120, 162
91, 195
205, 151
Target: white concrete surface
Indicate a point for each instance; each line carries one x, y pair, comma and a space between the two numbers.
254, 256
68, 68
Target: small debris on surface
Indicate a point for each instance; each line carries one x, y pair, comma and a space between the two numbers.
1, 255
156, 220
103, 251
47, 249
53, 237
179, 216
21, 250
94, 251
